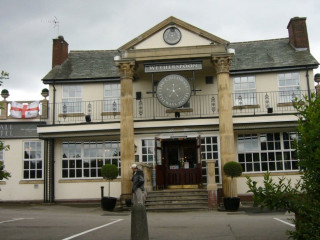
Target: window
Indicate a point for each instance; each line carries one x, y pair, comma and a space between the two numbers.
209, 151
32, 160
245, 91
85, 159
148, 150
71, 99
2, 159
289, 87
267, 152
112, 97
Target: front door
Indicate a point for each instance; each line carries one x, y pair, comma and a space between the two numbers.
180, 162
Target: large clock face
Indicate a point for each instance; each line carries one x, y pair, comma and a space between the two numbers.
172, 35
173, 91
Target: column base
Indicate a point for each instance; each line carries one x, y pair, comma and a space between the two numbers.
212, 199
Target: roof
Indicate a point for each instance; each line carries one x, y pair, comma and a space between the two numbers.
269, 54
251, 56
95, 64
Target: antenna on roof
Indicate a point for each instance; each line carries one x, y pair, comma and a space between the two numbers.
55, 25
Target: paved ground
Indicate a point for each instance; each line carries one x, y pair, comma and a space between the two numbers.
90, 222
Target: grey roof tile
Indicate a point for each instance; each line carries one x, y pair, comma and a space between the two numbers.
267, 54
86, 65
249, 56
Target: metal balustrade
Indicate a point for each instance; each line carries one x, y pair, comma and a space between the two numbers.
199, 106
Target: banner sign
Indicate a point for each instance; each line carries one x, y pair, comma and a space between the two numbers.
172, 67
19, 130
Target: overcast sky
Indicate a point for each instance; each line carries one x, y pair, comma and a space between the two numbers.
27, 28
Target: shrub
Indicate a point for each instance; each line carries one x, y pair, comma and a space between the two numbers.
109, 172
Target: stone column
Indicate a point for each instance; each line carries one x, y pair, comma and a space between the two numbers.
126, 70
227, 147
211, 184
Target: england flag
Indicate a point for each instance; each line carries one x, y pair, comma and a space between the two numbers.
19, 110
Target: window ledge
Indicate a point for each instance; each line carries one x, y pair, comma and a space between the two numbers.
246, 107
31, 182
86, 180
179, 110
110, 113
271, 174
71, 115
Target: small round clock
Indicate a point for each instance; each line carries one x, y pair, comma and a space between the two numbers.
173, 91
172, 35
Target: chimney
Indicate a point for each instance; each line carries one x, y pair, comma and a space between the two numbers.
298, 34
59, 51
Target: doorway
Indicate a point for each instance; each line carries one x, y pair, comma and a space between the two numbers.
180, 164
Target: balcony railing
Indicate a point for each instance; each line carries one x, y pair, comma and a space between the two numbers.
199, 106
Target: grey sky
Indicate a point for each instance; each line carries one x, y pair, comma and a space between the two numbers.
27, 28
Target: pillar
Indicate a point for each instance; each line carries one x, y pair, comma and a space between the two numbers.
227, 146
126, 70
211, 184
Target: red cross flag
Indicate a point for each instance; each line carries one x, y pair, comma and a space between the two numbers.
19, 110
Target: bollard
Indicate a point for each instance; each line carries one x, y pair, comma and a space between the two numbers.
102, 193
139, 223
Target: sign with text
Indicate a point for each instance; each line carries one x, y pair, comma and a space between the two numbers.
172, 67
18, 130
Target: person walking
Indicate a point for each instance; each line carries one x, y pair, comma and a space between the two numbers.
137, 185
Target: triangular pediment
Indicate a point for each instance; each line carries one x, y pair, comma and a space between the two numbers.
191, 36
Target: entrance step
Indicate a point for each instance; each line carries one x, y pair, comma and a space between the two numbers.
177, 200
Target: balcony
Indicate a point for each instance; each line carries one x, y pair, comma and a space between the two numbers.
199, 106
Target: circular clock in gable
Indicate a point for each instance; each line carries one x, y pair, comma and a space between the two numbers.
172, 35
173, 91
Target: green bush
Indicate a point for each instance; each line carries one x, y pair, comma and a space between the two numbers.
232, 169
4, 91
304, 197
109, 172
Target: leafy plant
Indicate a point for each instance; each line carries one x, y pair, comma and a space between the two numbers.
109, 172
233, 170
303, 198
3, 173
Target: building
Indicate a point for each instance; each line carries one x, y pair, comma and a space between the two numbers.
178, 100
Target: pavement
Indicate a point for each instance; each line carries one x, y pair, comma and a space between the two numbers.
89, 221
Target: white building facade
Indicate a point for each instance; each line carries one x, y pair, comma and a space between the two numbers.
171, 99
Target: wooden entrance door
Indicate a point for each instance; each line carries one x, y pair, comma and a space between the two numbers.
181, 163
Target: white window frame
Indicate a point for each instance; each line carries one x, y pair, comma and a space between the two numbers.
267, 152
32, 160
245, 91
83, 160
209, 151
289, 87
111, 96
147, 150
71, 99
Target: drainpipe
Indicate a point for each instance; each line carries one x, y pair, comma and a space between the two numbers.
308, 84
54, 104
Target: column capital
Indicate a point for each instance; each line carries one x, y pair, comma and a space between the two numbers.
126, 69
222, 63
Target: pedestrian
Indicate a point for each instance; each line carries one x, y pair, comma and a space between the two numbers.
137, 185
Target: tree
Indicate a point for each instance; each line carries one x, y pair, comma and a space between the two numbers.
3, 173
109, 172
303, 198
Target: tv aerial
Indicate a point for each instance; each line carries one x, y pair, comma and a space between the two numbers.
55, 23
